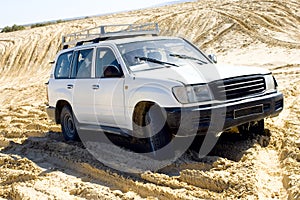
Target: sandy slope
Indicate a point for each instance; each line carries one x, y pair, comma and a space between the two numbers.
35, 162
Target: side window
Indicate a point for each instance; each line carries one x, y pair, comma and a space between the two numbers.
107, 65
62, 69
82, 64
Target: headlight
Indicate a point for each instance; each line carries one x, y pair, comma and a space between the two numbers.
270, 82
192, 94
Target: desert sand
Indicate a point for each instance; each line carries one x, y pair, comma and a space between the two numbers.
36, 163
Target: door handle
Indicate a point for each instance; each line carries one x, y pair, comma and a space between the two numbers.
95, 87
70, 86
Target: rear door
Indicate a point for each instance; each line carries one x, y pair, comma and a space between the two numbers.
60, 84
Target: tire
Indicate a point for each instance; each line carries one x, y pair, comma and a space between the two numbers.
256, 127
68, 124
146, 123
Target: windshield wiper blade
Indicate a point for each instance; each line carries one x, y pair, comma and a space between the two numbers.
187, 57
156, 61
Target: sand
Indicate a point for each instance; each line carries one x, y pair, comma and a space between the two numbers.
36, 163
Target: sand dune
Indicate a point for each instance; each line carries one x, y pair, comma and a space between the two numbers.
36, 163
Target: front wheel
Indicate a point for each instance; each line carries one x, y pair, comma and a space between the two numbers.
68, 124
150, 127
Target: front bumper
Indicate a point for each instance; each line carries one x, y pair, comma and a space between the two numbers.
200, 120
51, 113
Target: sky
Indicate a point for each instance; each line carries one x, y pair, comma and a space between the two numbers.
23, 12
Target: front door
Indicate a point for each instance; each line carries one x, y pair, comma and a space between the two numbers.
109, 97
84, 86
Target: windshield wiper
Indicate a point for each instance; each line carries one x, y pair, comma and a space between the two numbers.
187, 57
156, 61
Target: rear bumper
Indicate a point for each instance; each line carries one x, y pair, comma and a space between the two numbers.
223, 116
51, 113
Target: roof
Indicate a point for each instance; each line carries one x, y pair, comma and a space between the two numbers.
138, 39
119, 41
109, 32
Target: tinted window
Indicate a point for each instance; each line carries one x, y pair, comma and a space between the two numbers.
82, 64
106, 63
62, 69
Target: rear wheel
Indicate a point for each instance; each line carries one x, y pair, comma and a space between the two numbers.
150, 128
68, 124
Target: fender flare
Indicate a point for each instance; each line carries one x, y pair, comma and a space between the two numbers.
162, 96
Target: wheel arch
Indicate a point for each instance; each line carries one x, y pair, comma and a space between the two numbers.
150, 94
140, 103
59, 106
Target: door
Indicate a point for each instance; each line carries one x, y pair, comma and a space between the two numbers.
61, 86
84, 86
109, 97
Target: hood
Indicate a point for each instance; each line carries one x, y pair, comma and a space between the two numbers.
193, 73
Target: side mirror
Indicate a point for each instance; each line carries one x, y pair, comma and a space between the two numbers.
112, 71
213, 58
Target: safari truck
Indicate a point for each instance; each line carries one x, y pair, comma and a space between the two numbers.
129, 81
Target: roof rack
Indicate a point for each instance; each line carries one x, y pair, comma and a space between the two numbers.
105, 32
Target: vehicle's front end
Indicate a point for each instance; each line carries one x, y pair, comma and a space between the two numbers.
230, 102
209, 97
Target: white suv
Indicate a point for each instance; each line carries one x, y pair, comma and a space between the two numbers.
122, 81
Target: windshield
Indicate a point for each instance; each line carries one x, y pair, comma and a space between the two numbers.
159, 53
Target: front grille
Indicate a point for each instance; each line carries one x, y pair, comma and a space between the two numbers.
239, 87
